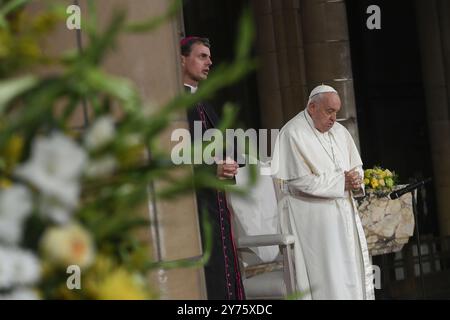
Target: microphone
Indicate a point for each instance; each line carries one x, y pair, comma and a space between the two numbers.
408, 188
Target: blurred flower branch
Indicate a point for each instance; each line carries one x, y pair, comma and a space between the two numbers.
70, 196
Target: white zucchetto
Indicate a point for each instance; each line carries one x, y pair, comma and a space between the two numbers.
321, 89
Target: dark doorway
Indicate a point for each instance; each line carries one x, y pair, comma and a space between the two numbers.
389, 94
390, 100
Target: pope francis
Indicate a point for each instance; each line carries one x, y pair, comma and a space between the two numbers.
320, 170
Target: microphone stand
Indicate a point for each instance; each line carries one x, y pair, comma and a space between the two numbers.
414, 187
419, 248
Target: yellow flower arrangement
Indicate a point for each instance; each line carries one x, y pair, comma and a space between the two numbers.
379, 180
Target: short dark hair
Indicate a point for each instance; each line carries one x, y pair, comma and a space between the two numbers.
187, 43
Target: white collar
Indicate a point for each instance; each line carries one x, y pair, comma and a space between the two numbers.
193, 89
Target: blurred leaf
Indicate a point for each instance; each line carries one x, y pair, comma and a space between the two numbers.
228, 117
246, 34
95, 52
9, 7
12, 88
12, 5
120, 88
109, 203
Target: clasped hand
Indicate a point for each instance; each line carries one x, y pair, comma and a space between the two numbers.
353, 180
226, 169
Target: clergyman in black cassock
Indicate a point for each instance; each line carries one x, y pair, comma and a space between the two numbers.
223, 278
222, 273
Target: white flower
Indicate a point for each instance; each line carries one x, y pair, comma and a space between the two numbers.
15, 203
101, 167
55, 210
10, 231
20, 294
6, 268
26, 268
17, 267
54, 168
15, 206
101, 133
54, 157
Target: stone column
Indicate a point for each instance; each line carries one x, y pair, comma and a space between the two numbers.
301, 44
433, 19
327, 54
281, 72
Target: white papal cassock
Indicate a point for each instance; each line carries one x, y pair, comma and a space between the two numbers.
331, 256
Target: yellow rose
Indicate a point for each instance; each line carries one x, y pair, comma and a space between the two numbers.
381, 182
374, 183
366, 181
388, 173
68, 245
